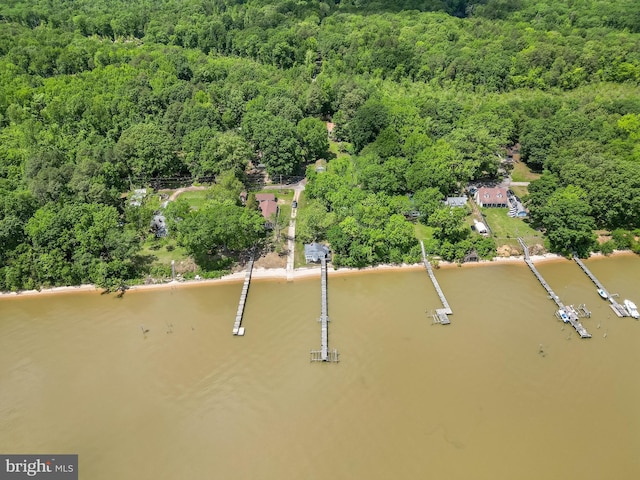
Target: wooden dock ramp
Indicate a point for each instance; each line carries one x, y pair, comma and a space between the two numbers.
441, 313
324, 354
237, 329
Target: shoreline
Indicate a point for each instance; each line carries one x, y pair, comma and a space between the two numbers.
302, 273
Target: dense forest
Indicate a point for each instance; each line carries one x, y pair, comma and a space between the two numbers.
98, 98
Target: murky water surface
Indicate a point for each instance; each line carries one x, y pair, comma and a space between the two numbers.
409, 399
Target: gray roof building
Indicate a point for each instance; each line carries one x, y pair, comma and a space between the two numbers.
313, 252
456, 201
159, 226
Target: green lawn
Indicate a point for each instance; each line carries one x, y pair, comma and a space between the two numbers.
334, 147
506, 229
285, 213
196, 198
284, 193
302, 200
522, 173
423, 232
162, 255
520, 191
298, 255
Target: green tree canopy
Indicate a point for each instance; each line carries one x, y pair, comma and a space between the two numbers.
147, 151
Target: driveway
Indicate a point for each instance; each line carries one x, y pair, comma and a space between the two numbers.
291, 237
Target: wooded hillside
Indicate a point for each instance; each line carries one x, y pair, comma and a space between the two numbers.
97, 98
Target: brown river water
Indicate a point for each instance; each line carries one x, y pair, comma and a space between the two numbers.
477, 399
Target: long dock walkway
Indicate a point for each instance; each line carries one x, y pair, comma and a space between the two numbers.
567, 314
618, 309
441, 313
237, 329
324, 355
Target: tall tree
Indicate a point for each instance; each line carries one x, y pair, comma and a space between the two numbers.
566, 217
313, 138
147, 151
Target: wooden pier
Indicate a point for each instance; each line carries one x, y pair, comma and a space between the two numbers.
324, 354
237, 329
440, 316
441, 313
618, 309
567, 314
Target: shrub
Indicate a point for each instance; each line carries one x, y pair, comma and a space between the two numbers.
608, 247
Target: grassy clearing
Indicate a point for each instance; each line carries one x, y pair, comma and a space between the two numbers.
522, 173
298, 255
285, 214
302, 200
520, 191
423, 232
162, 254
286, 195
283, 193
334, 147
506, 229
196, 198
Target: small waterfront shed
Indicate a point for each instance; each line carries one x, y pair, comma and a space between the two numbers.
313, 252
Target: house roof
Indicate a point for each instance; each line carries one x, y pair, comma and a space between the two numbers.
268, 204
315, 251
269, 209
492, 196
159, 225
265, 196
456, 201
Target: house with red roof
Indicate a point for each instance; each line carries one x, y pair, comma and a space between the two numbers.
492, 197
268, 207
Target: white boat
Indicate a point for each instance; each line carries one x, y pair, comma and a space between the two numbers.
563, 316
631, 308
602, 293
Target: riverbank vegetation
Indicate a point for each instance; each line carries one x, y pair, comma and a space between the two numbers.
98, 98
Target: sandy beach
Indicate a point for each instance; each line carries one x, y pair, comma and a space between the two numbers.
301, 273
